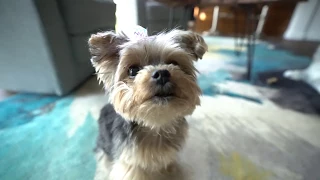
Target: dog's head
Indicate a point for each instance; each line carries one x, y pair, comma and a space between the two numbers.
151, 80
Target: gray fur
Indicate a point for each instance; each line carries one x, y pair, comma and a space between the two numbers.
114, 132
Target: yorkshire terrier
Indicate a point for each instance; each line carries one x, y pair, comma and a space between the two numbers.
152, 86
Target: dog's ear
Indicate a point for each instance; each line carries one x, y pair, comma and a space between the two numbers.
190, 41
105, 45
104, 48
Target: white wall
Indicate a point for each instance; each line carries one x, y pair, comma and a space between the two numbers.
126, 14
305, 22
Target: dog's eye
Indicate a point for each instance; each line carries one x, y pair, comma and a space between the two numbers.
133, 71
173, 62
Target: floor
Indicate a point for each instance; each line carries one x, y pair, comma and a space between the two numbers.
238, 133
301, 48
240, 140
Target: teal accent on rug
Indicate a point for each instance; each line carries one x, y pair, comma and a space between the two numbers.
38, 137
221, 64
36, 143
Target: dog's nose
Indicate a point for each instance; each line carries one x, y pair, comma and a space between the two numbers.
161, 76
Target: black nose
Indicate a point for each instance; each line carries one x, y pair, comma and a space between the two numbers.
161, 76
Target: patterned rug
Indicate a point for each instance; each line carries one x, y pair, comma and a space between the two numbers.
52, 138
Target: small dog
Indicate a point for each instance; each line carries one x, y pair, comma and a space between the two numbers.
152, 86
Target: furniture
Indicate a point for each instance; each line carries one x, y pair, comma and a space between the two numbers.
305, 22
151, 15
177, 3
252, 27
235, 2
188, 5
157, 17
43, 47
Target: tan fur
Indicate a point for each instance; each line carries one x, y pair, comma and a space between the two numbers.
122, 171
135, 101
104, 52
155, 150
153, 154
162, 128
132, 99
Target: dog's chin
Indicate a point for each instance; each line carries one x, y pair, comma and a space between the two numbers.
157, 110
163, 99
162, 111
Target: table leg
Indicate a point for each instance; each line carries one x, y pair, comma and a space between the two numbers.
237, 34
251, 38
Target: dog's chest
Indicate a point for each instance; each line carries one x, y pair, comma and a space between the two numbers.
154, 150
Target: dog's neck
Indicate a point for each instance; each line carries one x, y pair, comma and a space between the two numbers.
170, 128
155, 149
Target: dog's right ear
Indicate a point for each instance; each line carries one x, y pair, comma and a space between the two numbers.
105, 45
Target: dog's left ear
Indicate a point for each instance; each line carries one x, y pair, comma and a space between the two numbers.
191, 42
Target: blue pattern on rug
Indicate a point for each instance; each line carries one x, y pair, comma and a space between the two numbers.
22, 108
221, 51
41, 147
35, 137
265, 58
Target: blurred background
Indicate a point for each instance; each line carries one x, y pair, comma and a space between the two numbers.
260, 81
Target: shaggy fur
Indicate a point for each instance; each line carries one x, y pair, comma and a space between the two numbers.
143, 127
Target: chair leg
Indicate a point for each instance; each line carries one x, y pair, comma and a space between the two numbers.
215, 19
262, 19
214, 24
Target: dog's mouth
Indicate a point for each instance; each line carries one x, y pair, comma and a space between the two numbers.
163, 97
163, 94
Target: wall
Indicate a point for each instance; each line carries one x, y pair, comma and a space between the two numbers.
126, 14
305, 23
